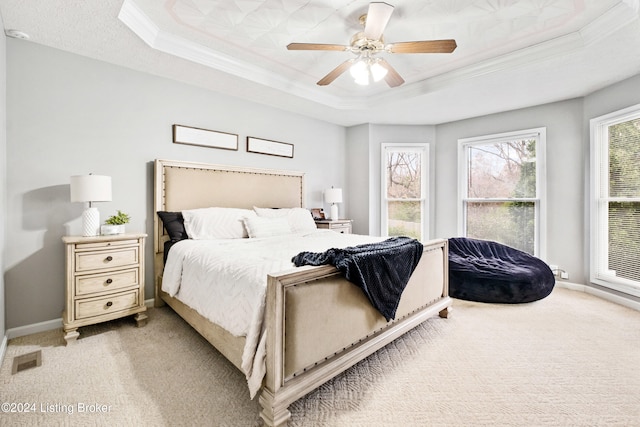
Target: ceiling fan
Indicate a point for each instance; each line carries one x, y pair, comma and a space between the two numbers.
369, 43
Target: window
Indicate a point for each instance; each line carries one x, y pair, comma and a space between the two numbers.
404, 192
615, 200
502, 189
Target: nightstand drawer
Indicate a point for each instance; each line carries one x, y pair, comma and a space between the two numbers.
92, 307
105, 245
93, 283
86, 261
341, 228
338, 225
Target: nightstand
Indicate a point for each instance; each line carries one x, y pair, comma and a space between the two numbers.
338, 225
104, 280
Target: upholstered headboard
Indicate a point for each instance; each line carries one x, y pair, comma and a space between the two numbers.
182, 185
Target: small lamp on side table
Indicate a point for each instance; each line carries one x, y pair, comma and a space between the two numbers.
90, 188
333, 196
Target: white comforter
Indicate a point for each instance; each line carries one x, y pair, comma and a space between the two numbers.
226, 280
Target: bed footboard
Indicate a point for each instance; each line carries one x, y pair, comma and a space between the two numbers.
307, 310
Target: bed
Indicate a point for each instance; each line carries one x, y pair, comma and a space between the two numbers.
305, 308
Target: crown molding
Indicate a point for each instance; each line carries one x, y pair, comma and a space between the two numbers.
134, 18
619, 16
138, 22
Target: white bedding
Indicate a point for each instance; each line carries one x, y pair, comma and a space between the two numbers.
226, 280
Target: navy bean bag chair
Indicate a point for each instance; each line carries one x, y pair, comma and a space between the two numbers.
486, 271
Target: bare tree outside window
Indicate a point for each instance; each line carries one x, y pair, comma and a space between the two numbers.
501, 200
404, 192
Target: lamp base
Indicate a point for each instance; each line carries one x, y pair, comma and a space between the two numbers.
333, 215
91, 222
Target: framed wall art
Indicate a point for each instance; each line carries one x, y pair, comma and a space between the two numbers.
204, 138
317, 213
272, 148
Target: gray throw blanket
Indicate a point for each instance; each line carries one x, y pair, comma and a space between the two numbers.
382, 270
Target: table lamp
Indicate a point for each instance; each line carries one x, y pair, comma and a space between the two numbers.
333, 196
90, 188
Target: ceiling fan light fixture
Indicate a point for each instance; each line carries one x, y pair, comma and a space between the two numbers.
367, 67
366, 70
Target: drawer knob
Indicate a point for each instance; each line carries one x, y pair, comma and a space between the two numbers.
109, 304
109, 258
109, 281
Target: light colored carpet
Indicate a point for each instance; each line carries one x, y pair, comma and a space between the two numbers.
568, 360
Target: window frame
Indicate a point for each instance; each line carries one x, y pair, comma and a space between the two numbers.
599, 212
540, 133
422, 147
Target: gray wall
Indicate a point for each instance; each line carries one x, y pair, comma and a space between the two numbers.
565, 175
71, 115
357, 194
3, 172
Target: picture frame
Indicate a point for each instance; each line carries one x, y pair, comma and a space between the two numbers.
189, 135
271, 148
317, 213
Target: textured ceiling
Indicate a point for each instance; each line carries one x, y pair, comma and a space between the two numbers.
258, 31
510, 53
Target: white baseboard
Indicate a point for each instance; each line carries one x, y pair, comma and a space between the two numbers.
45, 326
35, 328
627, 302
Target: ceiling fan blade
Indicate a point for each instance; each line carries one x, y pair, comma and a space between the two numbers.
317, 46
377, 19
426, 46
392, 78
335, 73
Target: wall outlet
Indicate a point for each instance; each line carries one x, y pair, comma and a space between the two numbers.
554, 268
564, 275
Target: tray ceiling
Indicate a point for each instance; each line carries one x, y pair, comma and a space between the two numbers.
510, 53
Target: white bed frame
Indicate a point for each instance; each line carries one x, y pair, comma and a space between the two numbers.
307, 308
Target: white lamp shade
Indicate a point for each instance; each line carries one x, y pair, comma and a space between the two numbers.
333, 195
90, 188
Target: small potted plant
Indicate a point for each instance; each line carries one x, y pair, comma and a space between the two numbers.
115, 223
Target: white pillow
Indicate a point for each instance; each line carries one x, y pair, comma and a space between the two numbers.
266, 227
216, 223
300, 219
